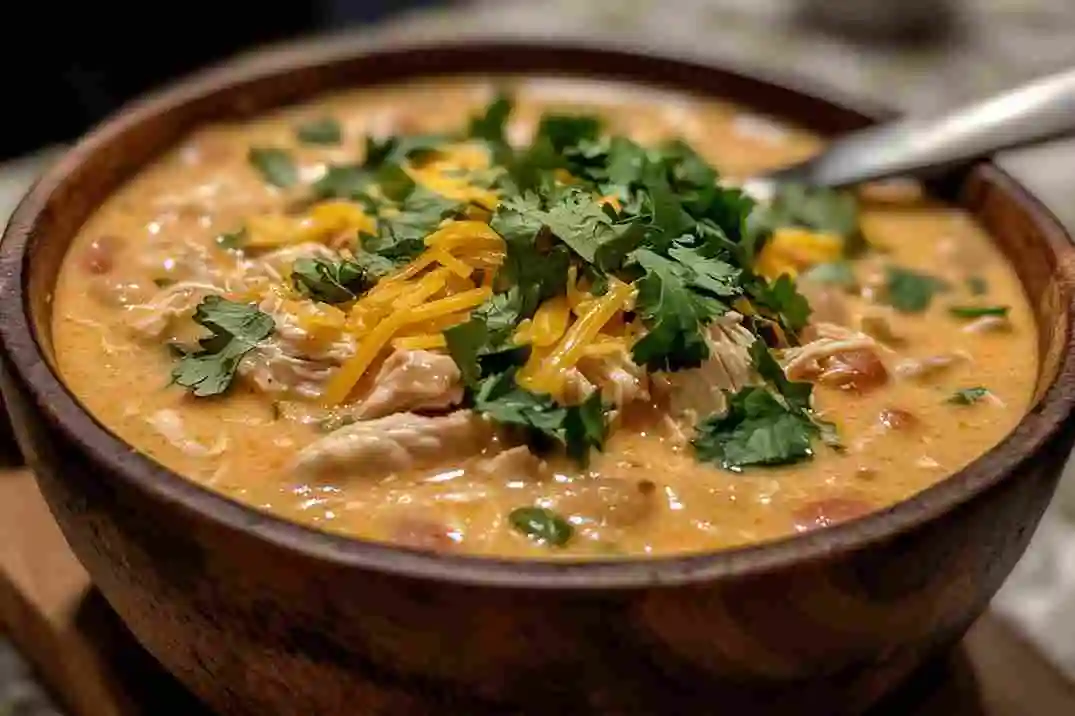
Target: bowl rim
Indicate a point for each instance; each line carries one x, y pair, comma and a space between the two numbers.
51, 398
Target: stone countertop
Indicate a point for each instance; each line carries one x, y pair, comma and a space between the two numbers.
996, 44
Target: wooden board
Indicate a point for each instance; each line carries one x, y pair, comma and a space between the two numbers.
95, 668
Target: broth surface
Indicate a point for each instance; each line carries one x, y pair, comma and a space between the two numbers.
646, 493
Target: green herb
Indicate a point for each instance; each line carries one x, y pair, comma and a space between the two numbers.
401, 236
968, 396
977, 286
590, 229
674, 314
541, 524
910, 291
564, 131
487, 333
782, 299
395, 183
275, 165
347, 181
324, 130
491, 124
331, 281
232, 240
836, 273
578, 428
756, 429
978, 311
395, 150
235, 328
813, 208
536, 268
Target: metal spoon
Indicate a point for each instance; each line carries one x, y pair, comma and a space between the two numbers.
1040, 110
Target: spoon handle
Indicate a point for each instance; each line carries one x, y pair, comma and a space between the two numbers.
1040, 110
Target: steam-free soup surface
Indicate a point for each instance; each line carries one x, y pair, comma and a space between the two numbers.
920, 351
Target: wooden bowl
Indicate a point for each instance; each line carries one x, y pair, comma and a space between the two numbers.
257, 615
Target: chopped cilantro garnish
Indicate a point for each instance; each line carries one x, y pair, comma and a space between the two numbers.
236, 328
275, 165
968, 396
543, 422
978, 311
813, 208
487, 334
323, 130
565, 130
782, 299
401, 236
911, 291
591, 230
756, 429
674, 314
331, 281
347, 181
491, 124
542, 525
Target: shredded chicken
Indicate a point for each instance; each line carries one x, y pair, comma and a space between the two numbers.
275, 263
804, 362
620, 380
412, 381
577, 386
274, 369
988, 324
701, 390
394, 443
928, 367
169, 425
514, 462
152, 318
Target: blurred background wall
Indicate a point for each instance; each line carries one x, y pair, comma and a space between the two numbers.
65, 66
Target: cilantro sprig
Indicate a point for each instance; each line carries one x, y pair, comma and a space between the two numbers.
235, 329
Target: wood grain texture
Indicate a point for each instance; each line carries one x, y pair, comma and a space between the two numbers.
257, 615
97, 669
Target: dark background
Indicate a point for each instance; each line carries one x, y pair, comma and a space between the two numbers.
64, 66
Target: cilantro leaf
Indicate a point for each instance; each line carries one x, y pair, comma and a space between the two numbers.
344, 181
588, 228
783, 300
910, 291
814, 208
565, 130
331, 281
487, 333
539, 273
674, 314
796, 394
542, 525
710, 275
968, 396
756, 429
543, 422
323, 130
275, 165
397, 149
978, 311
235, 329
491, 124
401, 236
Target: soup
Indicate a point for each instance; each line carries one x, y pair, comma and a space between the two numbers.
529, 319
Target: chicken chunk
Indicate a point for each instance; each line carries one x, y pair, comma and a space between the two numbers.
839, 357
621, 381
412, 381
394, 443
701, 390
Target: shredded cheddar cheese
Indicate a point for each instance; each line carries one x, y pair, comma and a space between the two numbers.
547, 373
791, 250
343, 382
